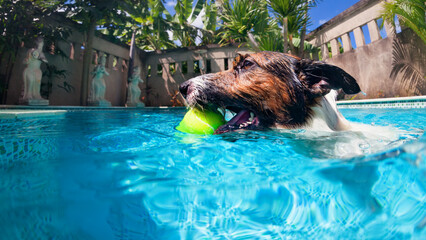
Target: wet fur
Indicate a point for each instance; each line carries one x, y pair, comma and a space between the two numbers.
279, 88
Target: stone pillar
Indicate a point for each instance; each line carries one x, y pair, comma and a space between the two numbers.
230, 61
334, 47
166, 70
324, 51
119, 65
217, 65
374, 30
178, 68
346, 40
390, 30
190, 64
359, 37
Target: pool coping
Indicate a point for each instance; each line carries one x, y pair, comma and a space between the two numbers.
24, 111
400, 102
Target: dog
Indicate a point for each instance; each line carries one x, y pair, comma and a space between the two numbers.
273, 90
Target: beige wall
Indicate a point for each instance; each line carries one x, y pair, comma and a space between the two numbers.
375, 65
66, 91
157, 90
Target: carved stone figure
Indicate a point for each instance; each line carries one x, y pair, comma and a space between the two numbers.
98, 85
32, 75
133, 91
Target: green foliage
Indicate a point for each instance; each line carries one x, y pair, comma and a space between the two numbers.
411, 13
407, 63
240, 17
182, 20
24, 20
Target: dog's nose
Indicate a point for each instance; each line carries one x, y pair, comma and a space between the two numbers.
185, 89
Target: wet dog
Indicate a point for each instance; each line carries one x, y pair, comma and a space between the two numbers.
273, 90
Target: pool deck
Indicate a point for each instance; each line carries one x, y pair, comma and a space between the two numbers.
23, 111
28, 113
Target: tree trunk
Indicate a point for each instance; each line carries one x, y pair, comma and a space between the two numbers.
302, 42
285, 33
87, 61
131, 55
291, 46
302, 37
253, 41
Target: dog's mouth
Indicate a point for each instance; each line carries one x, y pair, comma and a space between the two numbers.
243, 120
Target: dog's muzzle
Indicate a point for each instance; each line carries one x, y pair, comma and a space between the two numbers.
197, 94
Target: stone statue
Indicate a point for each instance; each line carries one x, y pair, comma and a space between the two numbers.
133, 90
98, 86
33, 74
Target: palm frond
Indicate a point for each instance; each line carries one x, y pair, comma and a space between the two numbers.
407, 60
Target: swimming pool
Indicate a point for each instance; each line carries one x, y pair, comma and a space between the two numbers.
128, 174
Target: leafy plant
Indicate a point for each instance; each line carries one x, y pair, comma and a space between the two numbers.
411, 13
407, 63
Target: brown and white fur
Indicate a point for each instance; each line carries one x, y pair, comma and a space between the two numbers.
273, 90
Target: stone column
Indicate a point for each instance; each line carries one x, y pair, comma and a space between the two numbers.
324, 51
347, 46
217, 65
374, 30
230, 61
390, 30
190, 65
359, 37
178, 68
334, 47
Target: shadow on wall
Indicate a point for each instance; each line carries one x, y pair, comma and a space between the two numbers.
408, 65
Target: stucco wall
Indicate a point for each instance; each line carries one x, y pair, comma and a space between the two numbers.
375, 64
372, 65
65, 91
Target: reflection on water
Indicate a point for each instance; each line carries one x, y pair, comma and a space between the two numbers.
130, 175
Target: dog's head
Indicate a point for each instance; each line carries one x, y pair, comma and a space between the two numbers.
267, 89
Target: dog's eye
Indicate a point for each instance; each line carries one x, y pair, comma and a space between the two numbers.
247, 63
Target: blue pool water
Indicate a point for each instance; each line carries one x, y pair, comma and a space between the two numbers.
128, 174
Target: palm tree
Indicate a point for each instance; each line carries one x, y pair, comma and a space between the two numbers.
286, 10
240, 18
411, 13
182, 20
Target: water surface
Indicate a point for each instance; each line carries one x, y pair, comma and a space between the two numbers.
131, 175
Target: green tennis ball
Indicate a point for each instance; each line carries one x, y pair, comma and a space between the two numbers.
201, 122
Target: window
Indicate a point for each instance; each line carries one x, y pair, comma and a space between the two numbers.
114, 63
226, 63
381, 26
159, 70
197, 66
352, 38
340, 44
172, 68
208, 66
366, 33
397, 25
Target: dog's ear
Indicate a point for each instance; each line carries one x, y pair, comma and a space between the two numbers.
321, 78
